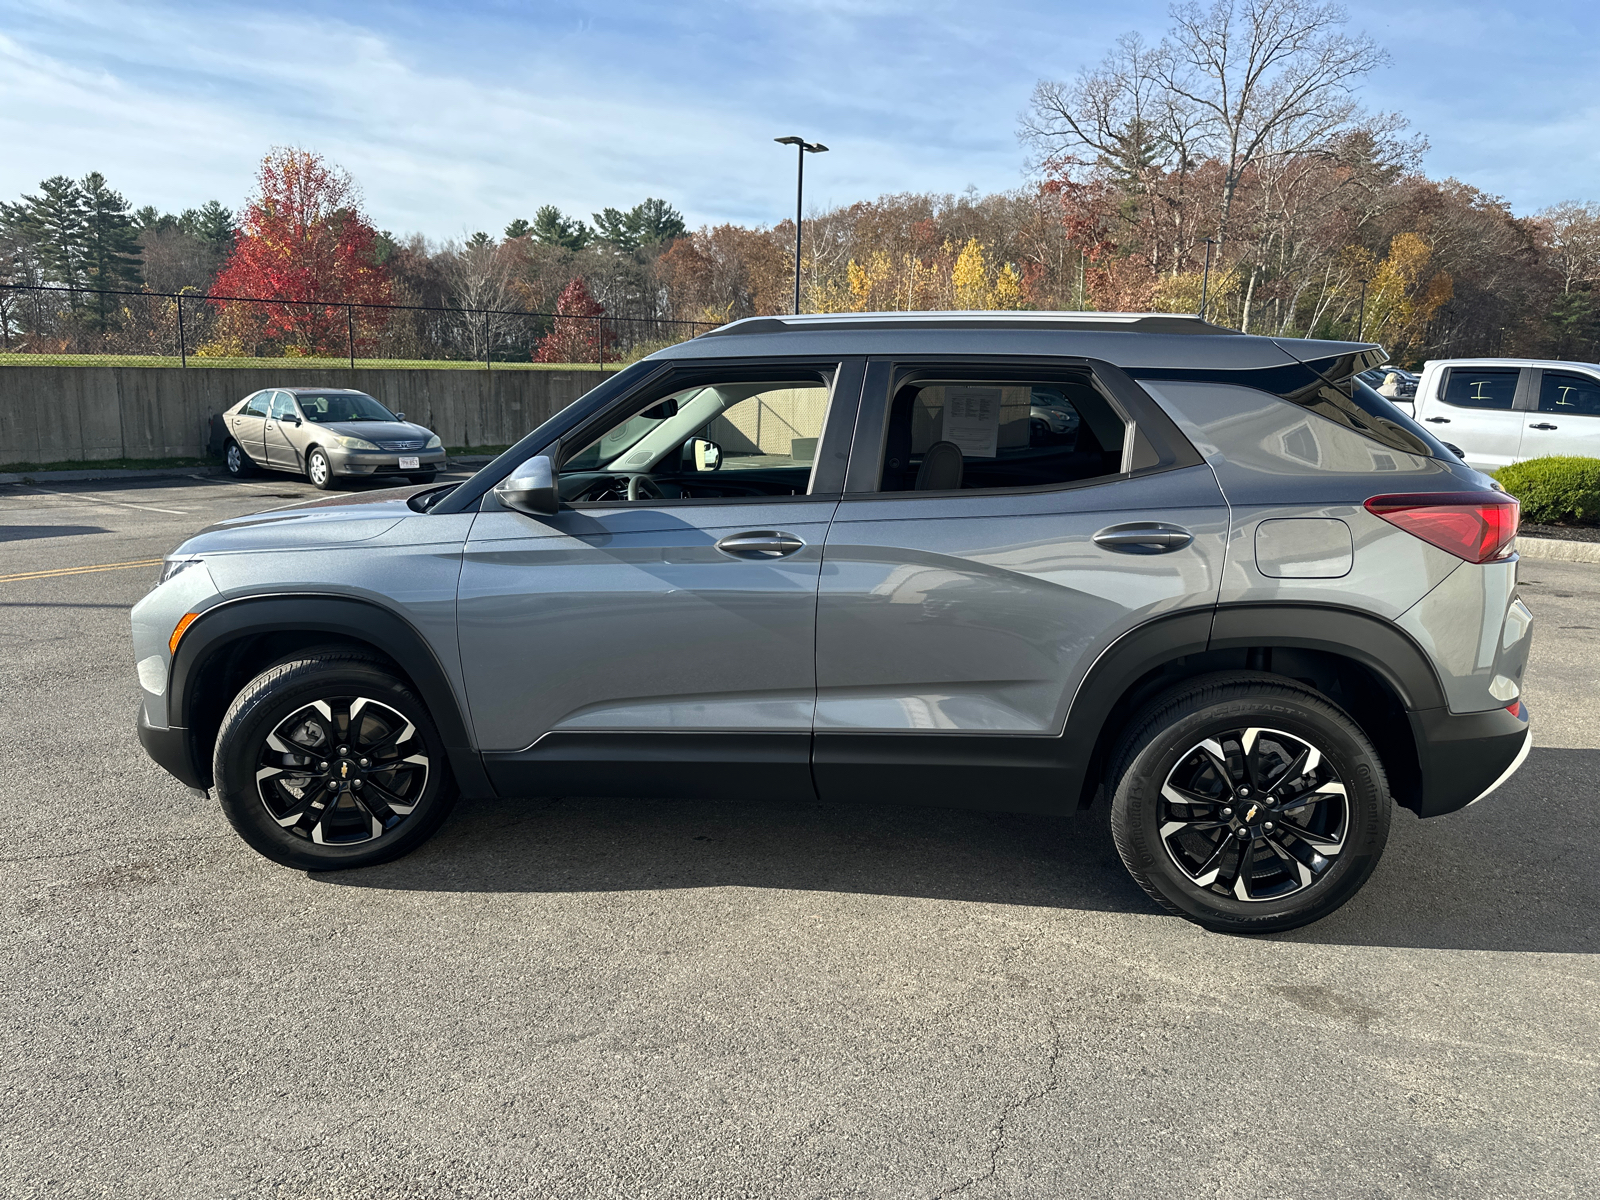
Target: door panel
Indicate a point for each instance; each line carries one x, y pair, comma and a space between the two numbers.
279, 432
980, 613
628, 617
1475, 408
1568, 416
248, 427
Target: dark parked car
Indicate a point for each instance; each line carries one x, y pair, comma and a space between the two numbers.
324, 434
1245, 604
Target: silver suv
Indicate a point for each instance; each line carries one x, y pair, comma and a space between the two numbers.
1245, 604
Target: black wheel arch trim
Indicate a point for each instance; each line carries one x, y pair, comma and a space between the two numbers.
349, 618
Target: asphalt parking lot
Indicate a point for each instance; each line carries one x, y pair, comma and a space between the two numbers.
574, 997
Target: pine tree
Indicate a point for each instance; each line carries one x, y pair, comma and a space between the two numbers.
553, 229
110, 247
52, 223
518, 228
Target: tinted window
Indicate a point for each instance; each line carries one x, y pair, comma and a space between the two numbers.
257, 406
1566, 392
1481, 387
947, 435
282, 406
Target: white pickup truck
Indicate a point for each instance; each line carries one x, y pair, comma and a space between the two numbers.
1503, 410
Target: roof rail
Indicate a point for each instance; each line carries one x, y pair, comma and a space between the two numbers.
1099, 322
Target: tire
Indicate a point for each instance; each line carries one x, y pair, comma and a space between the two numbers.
236, 460
344, 814
1178, 807
319, 470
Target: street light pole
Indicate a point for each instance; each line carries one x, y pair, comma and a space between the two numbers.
802, 148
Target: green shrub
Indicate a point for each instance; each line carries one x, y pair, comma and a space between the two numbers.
1561, 490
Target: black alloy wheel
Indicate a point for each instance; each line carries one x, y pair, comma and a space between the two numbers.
236, 460
1249, 803
328, 761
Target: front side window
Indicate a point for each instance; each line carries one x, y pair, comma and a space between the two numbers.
710, 441
1570, 394
343, 406
957, 435
1481, 387
256, 406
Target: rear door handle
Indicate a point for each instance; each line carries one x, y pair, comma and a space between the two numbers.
1438, 420
1144, 537
761, 543
1542, 425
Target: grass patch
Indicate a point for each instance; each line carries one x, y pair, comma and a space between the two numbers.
279, 364
111, 464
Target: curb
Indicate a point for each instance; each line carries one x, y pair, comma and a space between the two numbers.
471, 460
1558, 550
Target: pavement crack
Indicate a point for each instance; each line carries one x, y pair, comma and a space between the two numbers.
27, 858
998, 1135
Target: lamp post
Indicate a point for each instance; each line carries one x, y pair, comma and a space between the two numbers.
1361, 313
1205, 278
803, 148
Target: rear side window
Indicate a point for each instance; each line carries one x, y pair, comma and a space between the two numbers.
282, 406
257, 407
971, 434
1481, 387
1569, 393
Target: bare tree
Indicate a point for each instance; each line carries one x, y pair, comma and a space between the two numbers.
1572, 238
478, 272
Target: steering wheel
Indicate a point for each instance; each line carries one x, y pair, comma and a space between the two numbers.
642, 487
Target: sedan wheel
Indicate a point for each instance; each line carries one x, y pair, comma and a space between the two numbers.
238, 463
319, 470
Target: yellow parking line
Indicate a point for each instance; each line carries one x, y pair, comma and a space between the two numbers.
122, 566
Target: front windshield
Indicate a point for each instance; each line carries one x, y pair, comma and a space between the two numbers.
342, 406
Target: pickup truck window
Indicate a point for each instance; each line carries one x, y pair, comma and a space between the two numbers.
1570, 393
1481, 387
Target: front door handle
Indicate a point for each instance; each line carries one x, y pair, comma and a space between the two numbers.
1438, 420
761, 543
1144, 537
1542, 425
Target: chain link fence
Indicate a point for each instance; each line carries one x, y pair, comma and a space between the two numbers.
45, 324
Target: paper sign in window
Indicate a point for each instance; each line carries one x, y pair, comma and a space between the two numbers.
972, 420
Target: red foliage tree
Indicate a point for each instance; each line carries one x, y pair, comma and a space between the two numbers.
576, 334
304, 239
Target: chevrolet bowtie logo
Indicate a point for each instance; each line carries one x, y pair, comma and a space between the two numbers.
344, 773
1251, 815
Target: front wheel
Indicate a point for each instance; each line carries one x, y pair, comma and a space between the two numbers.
327, 761
1248, 803
319, 471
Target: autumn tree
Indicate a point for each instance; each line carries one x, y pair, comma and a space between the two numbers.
304, 243
576, 334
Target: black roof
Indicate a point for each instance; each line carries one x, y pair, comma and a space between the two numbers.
1125, 339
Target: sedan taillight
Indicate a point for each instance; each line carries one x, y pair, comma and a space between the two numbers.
1476, 526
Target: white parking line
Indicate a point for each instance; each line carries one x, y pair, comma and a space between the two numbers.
96, 499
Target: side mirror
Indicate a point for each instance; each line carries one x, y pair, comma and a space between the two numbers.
531, 488
699, 454
399, 416
297, 421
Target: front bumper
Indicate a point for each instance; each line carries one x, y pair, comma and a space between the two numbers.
383, 462
172, 751
1465, 756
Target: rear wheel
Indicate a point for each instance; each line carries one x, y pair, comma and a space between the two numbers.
328, 761
1248, 804
237, 461
319, 470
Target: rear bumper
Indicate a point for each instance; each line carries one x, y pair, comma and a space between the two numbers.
1465, 756
170, 750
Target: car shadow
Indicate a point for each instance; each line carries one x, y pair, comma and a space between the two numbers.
1513, 873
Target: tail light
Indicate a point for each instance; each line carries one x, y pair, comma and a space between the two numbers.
1476, 526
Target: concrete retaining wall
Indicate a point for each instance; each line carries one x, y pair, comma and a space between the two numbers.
89, 414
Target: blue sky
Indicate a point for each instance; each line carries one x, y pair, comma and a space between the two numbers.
455, 118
